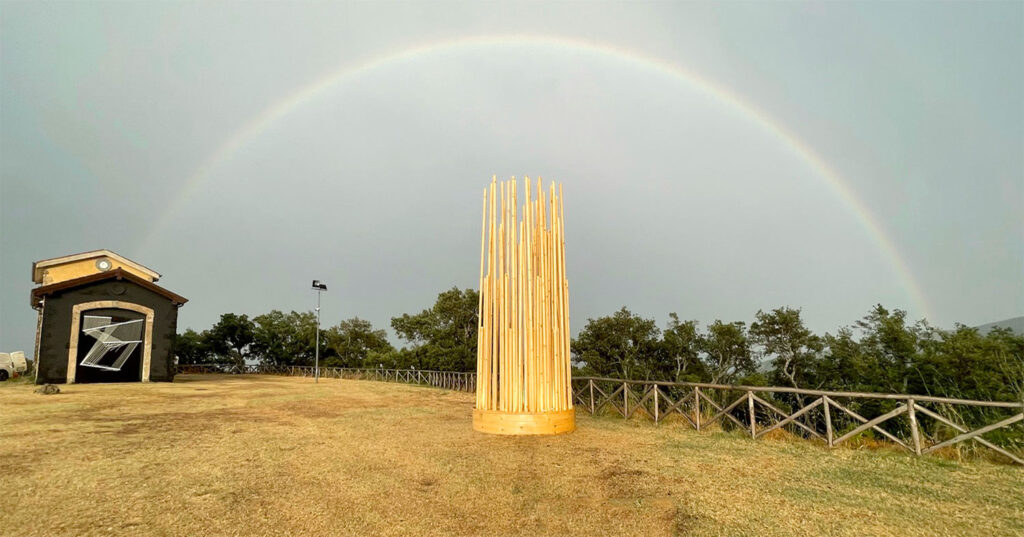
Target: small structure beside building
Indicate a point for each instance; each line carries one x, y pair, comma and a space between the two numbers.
102, 318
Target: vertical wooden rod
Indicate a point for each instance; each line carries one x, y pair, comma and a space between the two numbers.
915, 434
564, 289
696, 406
825, 404
625, 400
480, 403
655, 404
750, 407
591, 396
492, 384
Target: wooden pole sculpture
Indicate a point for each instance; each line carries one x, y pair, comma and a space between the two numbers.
523, 367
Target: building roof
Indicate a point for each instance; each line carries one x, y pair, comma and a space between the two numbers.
39, 266
119, 274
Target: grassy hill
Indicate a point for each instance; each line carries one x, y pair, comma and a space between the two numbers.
217, 455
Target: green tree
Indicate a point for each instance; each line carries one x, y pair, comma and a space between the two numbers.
285, 338
354, 343
415, 329
680, 350
444, 336
403, 358
726, 352
843, 362
190, 347
1008, 349
230, 337
963, 363
793, 348
623, 345
892, 348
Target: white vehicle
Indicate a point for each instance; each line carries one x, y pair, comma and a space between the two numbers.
12, 364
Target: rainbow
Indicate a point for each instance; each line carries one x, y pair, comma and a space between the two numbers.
254, 127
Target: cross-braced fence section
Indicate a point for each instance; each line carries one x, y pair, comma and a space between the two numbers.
919, 424
449, 380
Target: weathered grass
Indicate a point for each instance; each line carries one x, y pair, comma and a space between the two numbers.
220, 455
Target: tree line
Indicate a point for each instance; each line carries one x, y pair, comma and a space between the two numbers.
442, 337
882, 352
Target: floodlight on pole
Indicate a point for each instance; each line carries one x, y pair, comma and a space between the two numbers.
319, 288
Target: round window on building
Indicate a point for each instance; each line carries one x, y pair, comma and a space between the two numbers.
103, 264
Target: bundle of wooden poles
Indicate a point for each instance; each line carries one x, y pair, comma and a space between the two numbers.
523, 364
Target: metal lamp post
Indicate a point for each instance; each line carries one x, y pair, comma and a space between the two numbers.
319, 288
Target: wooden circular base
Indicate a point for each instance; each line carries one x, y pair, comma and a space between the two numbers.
498, 422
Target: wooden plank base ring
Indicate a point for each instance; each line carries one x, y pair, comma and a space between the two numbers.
524, 423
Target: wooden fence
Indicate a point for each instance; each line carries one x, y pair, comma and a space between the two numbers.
449, 380
830, 417
821, 415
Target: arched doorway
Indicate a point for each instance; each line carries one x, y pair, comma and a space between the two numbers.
111, 341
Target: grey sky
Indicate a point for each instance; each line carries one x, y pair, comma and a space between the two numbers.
676, 200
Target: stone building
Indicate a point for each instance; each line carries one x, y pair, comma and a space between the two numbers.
102, 318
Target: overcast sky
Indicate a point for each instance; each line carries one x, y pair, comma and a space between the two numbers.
717, 159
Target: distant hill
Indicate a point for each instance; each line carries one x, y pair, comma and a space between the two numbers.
1016, 324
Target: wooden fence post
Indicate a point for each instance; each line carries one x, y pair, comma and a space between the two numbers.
591, 397
625, 399
828, 419
915, 434
655, 386
696, 406
750, 406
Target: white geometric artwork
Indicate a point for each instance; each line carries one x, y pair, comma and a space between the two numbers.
110, 337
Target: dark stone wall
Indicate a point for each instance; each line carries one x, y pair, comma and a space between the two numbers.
56, 328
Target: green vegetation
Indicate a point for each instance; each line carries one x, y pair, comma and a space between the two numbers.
269, 455
442, 337
890, 355
882, 352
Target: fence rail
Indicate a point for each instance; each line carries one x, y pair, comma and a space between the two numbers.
449, 380
830, 417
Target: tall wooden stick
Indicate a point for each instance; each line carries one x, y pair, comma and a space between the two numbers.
528, 321
493, 386
564, 280
480, 332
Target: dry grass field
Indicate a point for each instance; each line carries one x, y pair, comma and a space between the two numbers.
218, 455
